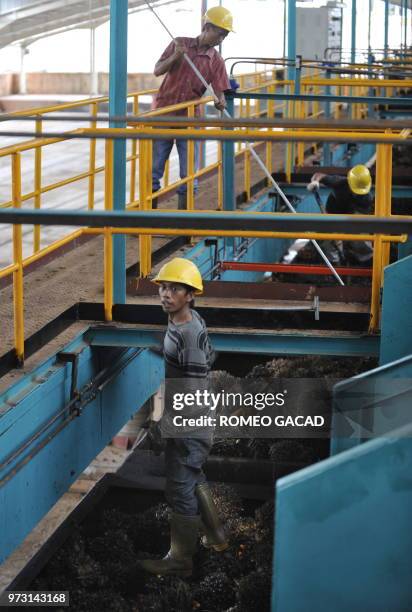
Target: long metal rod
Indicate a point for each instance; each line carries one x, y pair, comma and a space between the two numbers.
256, 157
212, 220
191, 134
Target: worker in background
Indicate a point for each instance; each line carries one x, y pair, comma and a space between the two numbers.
181, 85
188, 356
350, 195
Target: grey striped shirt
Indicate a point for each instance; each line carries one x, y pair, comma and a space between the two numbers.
187, 350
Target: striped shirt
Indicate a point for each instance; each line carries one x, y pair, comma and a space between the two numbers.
187, 350
181, 84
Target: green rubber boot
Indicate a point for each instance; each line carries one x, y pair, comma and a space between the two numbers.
215, 536
183, 543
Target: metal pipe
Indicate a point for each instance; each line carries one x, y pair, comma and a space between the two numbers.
353, 33
292, 268
386, 35
162, 220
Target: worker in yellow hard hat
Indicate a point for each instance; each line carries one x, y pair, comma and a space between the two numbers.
350, 194
181, 84
188, 356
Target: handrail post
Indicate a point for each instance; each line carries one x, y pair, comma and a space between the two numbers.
17, 260
37, 186
92, 159
191, 166
133, 165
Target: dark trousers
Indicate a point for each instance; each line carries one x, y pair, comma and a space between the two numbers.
184, 459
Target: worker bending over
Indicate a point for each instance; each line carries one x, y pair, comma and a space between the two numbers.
350, 195
188, 356
181, 84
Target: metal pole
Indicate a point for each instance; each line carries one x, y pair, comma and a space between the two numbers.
353, 36
228, 162
405, 25
291, 36
118, 107
94, 83
386, 43
369, 29
23, 77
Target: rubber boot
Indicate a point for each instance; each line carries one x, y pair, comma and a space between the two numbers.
183, 542
182, 201
213, 529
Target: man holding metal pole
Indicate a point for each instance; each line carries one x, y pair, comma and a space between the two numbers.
181, 84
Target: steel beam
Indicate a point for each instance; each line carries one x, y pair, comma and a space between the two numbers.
54, 422
159, 221
118, 106
271, 342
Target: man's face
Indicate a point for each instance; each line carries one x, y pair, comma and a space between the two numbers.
214, 35
174, 297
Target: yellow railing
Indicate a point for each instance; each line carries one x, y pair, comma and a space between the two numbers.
36, 147
141, 159
381, 252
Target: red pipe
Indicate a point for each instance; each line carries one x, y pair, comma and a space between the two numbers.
292, 269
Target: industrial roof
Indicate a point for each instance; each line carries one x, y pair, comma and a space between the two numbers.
25, 21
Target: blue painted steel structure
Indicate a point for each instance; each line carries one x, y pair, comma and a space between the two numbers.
396, 328
118, 108
228, 163
291, 37
46, 444
251, 342
343, 539
372, 404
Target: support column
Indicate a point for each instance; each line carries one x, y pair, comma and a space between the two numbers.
353, 35
23, 77
291, 36
228, 163
369, 29
405, 25
386, 42
94, 82
118, 107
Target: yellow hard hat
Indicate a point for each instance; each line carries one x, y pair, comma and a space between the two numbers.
220, 17
359, 179
179, 270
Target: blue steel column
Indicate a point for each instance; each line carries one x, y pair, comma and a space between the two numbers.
118, 107
228, 164
228, 172
291, 19
386, 43
353, 35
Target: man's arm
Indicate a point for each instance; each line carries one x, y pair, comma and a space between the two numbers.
171, 56
221, 105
